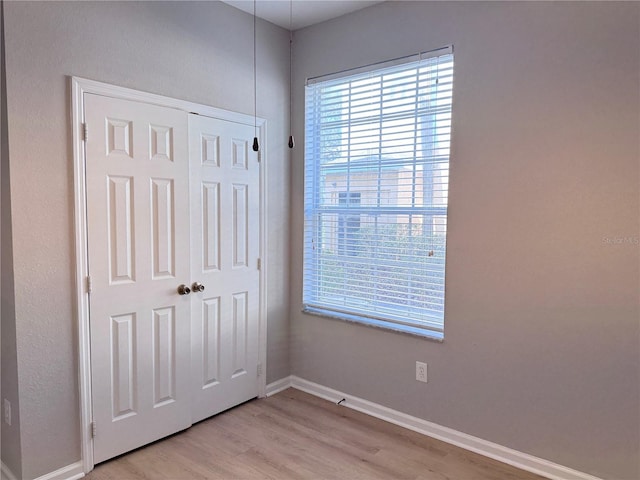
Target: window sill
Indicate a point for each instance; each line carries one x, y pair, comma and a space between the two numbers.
380, 324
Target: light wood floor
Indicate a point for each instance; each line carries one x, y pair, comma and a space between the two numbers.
295, 435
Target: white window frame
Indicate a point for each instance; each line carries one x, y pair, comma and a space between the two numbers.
318, 208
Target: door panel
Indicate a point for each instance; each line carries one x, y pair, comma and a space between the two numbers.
119, 216
225, 226
162, 231
123, 357
211, 226
138, 234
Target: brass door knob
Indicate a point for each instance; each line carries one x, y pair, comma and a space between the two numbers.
197, 287
184, 290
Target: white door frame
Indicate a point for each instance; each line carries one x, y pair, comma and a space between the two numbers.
80, 86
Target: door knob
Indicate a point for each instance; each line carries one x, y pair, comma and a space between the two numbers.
184, 290
197, 287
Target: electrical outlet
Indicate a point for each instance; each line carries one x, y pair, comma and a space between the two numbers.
7, 412
421, 372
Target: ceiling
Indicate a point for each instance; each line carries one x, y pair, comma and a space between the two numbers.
304, 12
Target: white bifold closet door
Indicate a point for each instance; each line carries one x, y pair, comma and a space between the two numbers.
172, 200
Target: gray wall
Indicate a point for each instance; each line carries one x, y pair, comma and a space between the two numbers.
198, 51
8, 360
541, 349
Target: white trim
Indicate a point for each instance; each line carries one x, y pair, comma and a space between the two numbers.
123, 93
80, 86
81, 255
506, 455
5, 473
278, 386
70, 472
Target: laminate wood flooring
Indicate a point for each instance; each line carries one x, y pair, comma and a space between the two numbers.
294, 435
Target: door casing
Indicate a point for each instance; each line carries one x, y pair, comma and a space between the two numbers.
80, 86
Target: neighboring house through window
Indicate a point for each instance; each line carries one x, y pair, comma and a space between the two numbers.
348, 223
376, 191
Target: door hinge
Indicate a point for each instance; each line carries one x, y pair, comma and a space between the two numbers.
89, 285
259, 264
259, 156
85, 132
259, 369
93, 430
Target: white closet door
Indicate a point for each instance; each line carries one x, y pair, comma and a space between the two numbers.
138, 233
225, 228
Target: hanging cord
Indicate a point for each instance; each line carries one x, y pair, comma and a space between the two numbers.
256, 146
291, 141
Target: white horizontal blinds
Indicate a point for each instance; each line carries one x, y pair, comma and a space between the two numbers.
376, 187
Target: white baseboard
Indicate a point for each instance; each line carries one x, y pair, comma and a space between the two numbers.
5, 473
524, 461
278, 386
70, 472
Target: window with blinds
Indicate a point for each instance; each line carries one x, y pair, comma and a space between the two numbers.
376, 186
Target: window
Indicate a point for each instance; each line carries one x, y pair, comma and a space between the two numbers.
376, 188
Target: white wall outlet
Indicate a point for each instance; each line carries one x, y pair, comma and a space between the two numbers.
7, 412
421, 372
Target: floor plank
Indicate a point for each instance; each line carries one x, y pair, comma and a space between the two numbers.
294, 435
